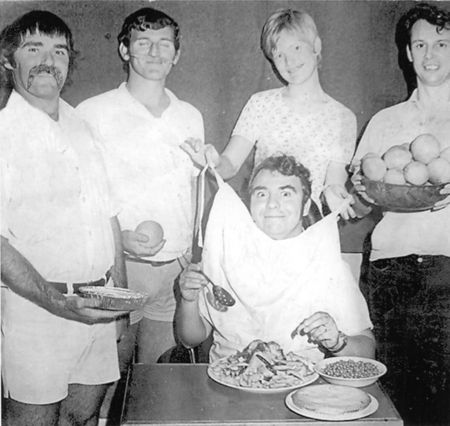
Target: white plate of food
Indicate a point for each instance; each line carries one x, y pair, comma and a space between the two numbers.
264, 368
331, 402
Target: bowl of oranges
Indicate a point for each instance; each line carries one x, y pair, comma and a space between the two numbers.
407, 177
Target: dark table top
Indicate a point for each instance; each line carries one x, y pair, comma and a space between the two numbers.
183, 394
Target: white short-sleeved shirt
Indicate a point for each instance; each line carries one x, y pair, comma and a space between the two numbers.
314, 139
151, 177
402, 234
56, 206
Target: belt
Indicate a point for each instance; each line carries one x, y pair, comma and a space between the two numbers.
64, 287
412, 259
150, 262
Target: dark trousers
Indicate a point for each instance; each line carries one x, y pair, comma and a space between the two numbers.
409, 303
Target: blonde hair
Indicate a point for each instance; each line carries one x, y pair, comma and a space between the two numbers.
286, 19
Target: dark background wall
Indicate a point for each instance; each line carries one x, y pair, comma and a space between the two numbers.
222, 65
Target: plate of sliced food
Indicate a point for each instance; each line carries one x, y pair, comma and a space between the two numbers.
263, 367
331, 402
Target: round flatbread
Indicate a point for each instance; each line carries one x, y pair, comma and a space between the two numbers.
331, 399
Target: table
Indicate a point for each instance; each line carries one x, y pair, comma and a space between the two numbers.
183, 394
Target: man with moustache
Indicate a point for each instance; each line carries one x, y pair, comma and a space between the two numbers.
407, 286
142, 124
58, 232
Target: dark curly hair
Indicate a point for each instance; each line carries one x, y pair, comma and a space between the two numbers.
32, 22
287, 166
432, 14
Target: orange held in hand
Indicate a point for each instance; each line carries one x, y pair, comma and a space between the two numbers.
153, 230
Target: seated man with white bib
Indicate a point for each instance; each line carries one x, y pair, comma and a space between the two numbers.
290, 284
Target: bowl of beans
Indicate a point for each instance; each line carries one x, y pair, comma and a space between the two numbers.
350, 370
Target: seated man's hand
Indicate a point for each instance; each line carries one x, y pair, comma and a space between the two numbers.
200, 153
137, 244
191, 282
85, 309
446, 201
321, 328
335, 195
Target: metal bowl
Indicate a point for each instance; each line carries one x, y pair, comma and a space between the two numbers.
403, 198
340, 379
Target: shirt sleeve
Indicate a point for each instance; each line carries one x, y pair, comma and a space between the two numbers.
248, 125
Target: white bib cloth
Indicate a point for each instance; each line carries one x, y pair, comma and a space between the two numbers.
276, 283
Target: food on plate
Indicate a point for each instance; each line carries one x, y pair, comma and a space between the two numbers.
421, 162
153, 230
263, 365
331, 399
350, 369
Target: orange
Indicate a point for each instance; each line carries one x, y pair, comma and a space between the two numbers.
425, 148
397, 157
153, 230
416, 173
439, 171
373, 167
445, 154
395, 176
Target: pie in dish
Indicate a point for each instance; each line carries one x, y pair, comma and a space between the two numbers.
331, 399
115, 298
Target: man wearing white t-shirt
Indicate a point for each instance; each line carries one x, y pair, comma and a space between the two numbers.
142, 124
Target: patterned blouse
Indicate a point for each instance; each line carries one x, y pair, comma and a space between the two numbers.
314, 139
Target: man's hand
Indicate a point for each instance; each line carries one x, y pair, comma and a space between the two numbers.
85, 309
360, 188
200, 153
191, 282
137, 244
321, 328
446, 201
335, 195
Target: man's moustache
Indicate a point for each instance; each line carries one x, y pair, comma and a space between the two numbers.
48, 69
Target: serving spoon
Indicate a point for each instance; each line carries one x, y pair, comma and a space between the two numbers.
220, 294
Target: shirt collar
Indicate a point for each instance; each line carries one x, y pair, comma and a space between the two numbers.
125, 92
17, 103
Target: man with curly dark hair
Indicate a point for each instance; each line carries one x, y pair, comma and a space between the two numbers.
270, 263
407, 285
